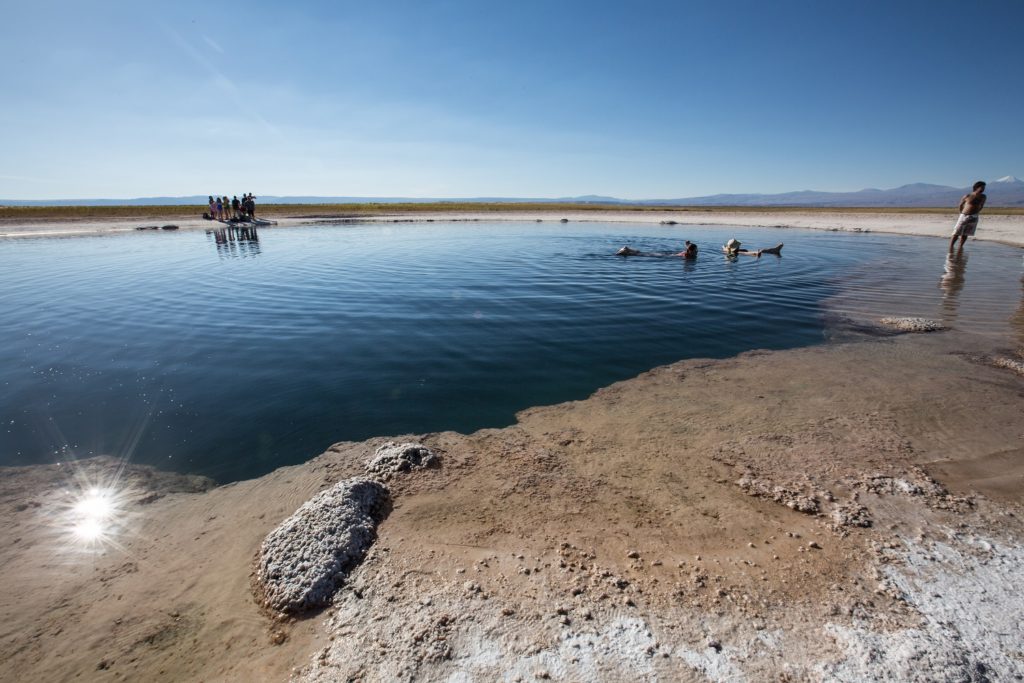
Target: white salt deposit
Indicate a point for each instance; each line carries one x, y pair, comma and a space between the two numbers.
304, 560
622, 650
1009, 363
392, 458
972, 619
913, 324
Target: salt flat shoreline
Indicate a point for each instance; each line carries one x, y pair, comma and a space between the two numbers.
1005, 229
850, 511
702, 521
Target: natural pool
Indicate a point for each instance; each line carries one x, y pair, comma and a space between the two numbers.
232, 357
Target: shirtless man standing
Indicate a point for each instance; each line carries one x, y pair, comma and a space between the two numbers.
970, 206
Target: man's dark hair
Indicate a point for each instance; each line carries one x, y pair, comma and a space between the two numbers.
980, 185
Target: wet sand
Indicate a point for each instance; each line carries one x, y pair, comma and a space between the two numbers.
850, 511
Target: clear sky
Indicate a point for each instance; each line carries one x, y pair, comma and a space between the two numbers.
542, 98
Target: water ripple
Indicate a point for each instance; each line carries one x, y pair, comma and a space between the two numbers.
239, 356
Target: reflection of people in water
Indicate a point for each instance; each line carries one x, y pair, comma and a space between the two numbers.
733, 248
951, 282
236, 241
689, 251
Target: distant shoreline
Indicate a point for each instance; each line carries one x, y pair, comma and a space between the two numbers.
34, 213
1003, 225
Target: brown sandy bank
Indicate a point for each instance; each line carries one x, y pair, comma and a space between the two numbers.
1007, 228
651, 531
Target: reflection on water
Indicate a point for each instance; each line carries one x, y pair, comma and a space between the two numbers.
951, 282
902, 276
236, 241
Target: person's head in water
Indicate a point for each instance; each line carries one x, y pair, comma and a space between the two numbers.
979, 186
691, 250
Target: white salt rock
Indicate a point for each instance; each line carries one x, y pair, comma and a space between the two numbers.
392, 458
306, 558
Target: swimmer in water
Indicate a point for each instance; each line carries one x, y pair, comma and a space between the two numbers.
690, 251
733, 248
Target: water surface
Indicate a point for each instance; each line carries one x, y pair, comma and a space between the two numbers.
233, 355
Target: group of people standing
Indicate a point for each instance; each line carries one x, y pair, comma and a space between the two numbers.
235, 209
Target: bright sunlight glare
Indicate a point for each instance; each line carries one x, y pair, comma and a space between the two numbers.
88, 530
92, 516
94, 505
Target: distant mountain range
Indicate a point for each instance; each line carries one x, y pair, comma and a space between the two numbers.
1007, 192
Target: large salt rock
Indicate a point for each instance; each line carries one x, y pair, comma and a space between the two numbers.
306, 558
392, 458
913, 324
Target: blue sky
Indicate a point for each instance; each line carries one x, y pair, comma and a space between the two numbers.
527, 99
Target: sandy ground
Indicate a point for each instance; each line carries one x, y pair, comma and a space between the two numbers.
850, 511
645, 533
1004, 229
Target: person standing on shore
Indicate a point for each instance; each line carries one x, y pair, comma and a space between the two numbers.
971, 205
236, 207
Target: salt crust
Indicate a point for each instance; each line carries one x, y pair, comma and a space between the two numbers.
304, 560
967, 594
913, 324
962, 590
392, 458
795, 500
1009, 363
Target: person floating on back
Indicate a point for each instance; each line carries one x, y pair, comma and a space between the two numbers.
733, 248
971, 205
690, 251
